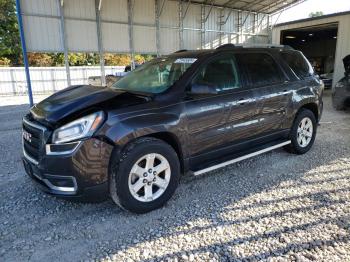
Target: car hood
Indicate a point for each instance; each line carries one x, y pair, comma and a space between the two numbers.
76, 100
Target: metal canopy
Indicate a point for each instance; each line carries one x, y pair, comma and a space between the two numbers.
144, 26
255, 6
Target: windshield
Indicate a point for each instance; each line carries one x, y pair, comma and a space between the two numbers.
155, 76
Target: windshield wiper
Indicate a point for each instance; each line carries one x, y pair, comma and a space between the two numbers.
138, 93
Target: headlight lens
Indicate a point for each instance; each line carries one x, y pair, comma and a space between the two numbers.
80, 128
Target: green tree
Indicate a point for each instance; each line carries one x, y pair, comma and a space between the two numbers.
83, 59
10, 47
315, 14
5, 61
117, 59
40, 59
57, 59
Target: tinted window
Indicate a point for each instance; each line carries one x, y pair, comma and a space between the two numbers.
261, 68
298, 63
221, 73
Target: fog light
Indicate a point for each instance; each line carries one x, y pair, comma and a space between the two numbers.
61, 183
62, 149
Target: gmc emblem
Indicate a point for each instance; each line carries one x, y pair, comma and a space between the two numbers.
27, 136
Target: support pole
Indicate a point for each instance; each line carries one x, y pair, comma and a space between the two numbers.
98, 6
181, 26
269, 30
239, 28
24, 52
210, 9
64, 41
254, 23
202, 26
221, 24
157, 12
131, 33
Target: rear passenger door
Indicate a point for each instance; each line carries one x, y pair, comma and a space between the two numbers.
270, 87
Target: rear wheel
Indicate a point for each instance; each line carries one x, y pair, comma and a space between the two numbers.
303, 132
145, 175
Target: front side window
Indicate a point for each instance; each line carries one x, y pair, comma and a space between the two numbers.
220, 73
261, 68
155, 76
298, 63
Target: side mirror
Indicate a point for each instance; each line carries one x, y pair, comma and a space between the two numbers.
203, 89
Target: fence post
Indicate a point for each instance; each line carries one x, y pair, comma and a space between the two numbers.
13, 82
53, 79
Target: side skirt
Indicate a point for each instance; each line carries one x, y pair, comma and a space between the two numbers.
235, 160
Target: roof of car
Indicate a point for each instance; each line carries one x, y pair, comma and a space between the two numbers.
229, 47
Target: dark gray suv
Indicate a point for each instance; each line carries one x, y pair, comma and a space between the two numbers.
188, 111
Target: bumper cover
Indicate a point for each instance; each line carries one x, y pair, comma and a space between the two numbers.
82, 174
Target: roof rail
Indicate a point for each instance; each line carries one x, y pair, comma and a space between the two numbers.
180, 51
226, 46
264, 46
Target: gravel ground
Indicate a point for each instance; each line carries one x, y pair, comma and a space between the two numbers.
274, 207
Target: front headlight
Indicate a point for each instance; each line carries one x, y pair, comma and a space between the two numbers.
80, 128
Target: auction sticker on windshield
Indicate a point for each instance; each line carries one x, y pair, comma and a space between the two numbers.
185, 60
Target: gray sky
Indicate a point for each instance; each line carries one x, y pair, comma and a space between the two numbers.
304, 9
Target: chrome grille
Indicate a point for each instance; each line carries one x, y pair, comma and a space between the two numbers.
32, 137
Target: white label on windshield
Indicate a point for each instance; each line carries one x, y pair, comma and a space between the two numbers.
185, 60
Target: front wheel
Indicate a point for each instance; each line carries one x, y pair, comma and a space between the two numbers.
145, 175
303, 132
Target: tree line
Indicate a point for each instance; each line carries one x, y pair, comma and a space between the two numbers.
75, 59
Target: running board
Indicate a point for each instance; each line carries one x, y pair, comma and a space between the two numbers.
211, 168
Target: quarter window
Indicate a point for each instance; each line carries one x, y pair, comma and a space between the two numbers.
220, 73
261, 68
298, 63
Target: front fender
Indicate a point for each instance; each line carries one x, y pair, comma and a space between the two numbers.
129, 129
120, 129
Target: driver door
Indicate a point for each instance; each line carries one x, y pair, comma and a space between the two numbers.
209, 116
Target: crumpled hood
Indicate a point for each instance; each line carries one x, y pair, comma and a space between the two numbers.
75, 99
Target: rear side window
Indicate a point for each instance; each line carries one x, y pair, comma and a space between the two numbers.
261, 68
298, 63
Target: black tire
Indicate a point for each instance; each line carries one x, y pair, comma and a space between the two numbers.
294, 146
338, 102
122, 164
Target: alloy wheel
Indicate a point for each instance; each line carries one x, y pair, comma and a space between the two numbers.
305, 132
149, 177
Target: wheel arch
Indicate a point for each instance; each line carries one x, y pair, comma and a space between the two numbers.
166, 136
313, 107
173, 141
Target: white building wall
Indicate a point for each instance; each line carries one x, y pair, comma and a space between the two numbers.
343, 46
343, 38
43, 33
114, 25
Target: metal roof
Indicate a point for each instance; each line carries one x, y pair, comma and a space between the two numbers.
314, 18
255, 6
